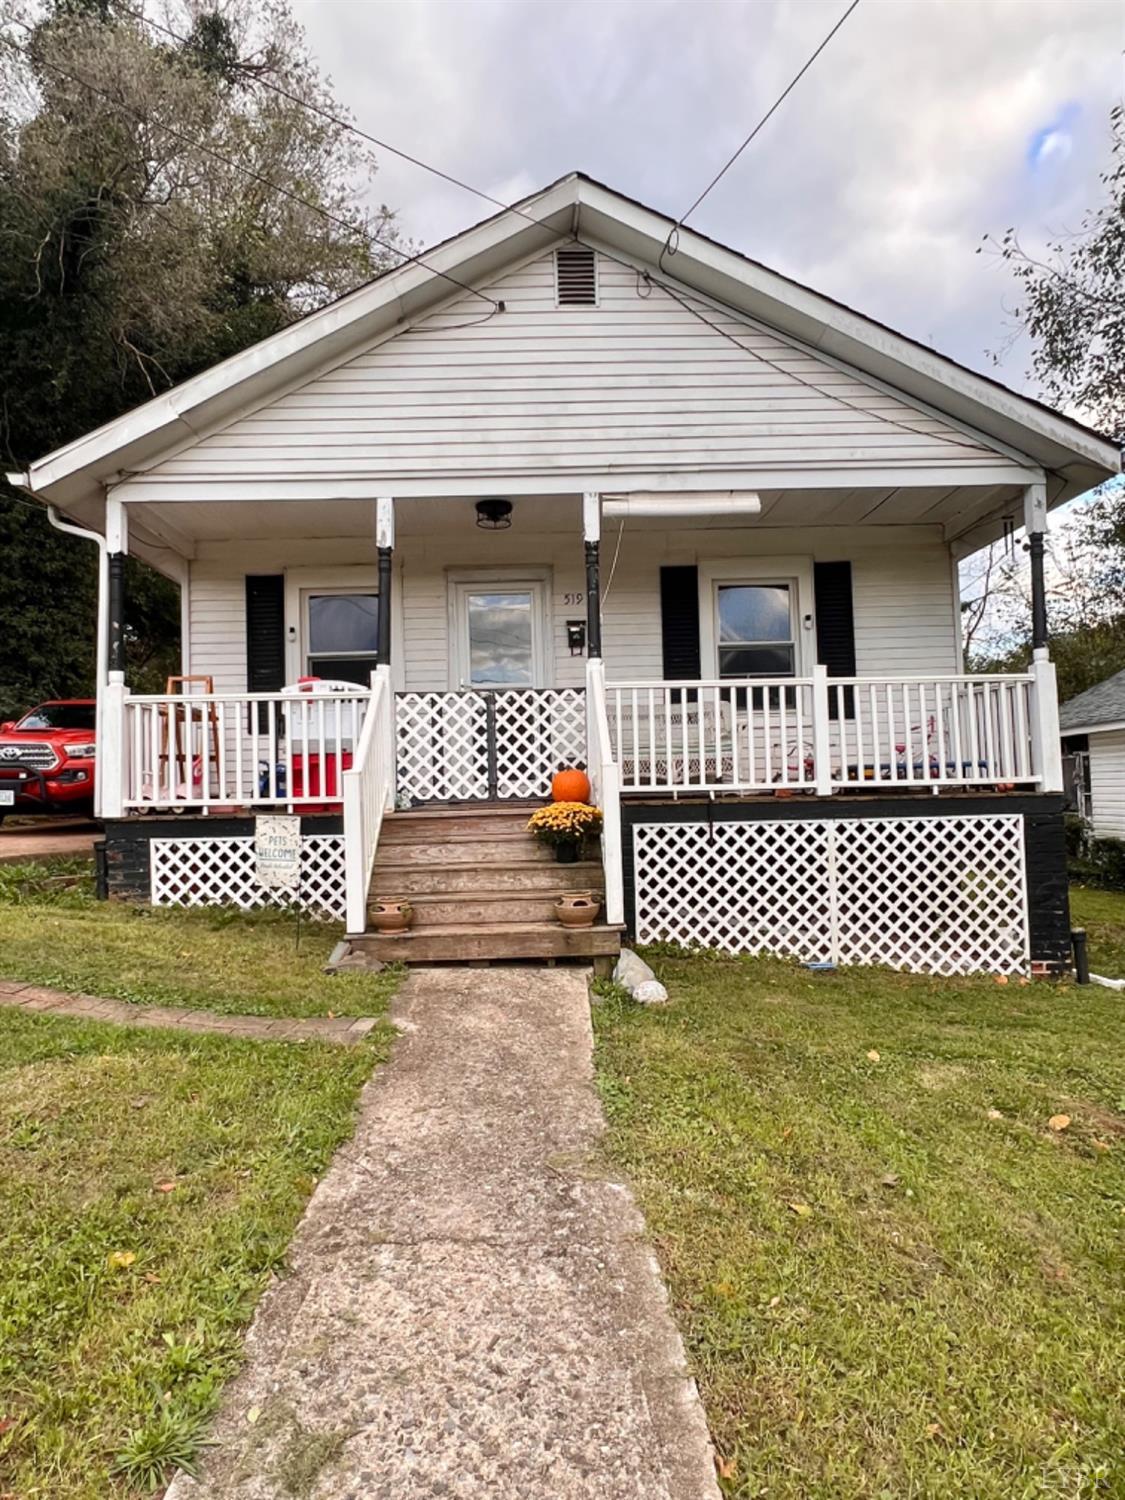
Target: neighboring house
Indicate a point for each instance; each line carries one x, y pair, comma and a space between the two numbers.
650, 507
1093, 733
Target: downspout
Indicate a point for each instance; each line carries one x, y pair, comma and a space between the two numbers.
100, 673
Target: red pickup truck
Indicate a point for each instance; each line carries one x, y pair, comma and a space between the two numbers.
47, 759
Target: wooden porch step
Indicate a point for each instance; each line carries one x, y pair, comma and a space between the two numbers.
473, 822
471, 943
469, 909
394, 877
458, 849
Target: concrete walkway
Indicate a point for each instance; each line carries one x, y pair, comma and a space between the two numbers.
344, 1029
472, 1311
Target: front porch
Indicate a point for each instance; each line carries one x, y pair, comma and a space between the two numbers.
432, 678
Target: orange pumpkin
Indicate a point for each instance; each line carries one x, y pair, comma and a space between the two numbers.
570, 786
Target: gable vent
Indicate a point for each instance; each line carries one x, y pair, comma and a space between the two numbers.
576, 277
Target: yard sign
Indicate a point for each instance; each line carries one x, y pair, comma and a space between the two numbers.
277, 851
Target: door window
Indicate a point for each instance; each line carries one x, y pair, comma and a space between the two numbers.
754, 629
342, 635
500, 633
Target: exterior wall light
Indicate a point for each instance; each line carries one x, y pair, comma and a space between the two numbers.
494, 515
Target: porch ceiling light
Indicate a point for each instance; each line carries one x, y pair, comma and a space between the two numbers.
494, 515
687, 504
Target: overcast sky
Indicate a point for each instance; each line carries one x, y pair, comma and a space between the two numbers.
924, 125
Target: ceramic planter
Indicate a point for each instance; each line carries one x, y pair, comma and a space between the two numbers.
577, 908
391, 916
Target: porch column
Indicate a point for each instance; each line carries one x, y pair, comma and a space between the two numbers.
1046, 746
109, 783
1035, 520
385, 547
117, 545
592, 535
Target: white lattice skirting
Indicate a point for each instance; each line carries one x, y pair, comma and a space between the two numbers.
935, 895
221, 872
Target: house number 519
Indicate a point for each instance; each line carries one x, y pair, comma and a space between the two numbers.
573, 598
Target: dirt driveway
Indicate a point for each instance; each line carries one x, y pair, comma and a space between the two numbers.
36, 838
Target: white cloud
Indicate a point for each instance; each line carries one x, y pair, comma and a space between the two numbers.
911, 137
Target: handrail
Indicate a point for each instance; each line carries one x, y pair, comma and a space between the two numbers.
368, 788
605, 782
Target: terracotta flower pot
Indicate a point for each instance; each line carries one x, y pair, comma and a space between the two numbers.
391, 916
577, 908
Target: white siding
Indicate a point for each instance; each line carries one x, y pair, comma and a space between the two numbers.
217, 610
902, 588
639, 382
1107, 783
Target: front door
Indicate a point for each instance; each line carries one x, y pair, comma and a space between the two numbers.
499, 634
501, 730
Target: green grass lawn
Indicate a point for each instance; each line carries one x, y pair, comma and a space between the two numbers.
1102, 913
893, 1276
149, 1185
149, 1181
219, 960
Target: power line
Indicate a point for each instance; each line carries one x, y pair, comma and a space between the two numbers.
316, 208
343, 124
669, 247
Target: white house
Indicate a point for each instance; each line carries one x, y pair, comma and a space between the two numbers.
559, 494
1093, 730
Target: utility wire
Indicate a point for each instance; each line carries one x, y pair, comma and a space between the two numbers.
674, 233
338, 120
235, 166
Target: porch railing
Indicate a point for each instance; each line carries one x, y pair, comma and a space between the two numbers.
820, 734
216, 751
605, 788
369, 792
958, 731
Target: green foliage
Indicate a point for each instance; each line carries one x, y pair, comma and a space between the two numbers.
169, 1441
1083, 656
1099, 861
133, 259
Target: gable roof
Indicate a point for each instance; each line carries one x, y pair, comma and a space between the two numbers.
576, 206
1099, 707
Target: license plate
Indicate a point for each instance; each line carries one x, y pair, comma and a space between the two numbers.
7, 799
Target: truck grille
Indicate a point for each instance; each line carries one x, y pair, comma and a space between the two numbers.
42, 757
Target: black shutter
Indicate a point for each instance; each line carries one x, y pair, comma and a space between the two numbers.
835, 627
679, 622
265, 636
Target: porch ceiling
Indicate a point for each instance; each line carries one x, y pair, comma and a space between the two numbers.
952, 507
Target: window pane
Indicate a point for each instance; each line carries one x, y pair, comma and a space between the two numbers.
500, 648
755, 661
754, 612
356, 669
343, 622
59, 716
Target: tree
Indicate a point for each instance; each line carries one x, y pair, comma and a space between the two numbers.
162, 205
1072, 305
